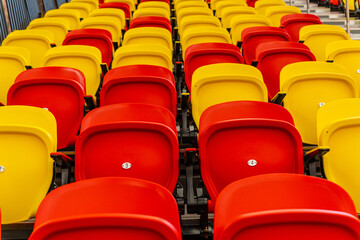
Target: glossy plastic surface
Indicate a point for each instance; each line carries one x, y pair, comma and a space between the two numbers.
129, 140
292, 23
202, 54
317, 36
251, 37
276, 13
28, 136
144, 12
111, 12
71, 15
261, 6
83, 8
123, 6
338, 126
273, 56
148, 35
151, 21
308, 86
285, 206
12, 62
99, 38
87, 59
108, 208
140, 84
225, 82
229, 12
60, 90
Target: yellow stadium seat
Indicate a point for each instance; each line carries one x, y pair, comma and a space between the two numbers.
262, 5
155, 4
203, 35
192, 3
276, 13
87, 59
338, 128
192, 11
239, 23
229, 12
143, 54
228, 3
347, 54
225, 82
308, 86
37, 42
13, 61
317, 36
198, 21
28, 137
110, 12
176, 2
158, 12
148, 35
130, 2
214, 3
83, 8
72, 16
93, 3
58, 26
108, 23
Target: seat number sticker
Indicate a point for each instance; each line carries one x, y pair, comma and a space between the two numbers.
126, 165
252, 162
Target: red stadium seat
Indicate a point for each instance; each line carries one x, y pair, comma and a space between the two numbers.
198, 55
123, 6
140, 84
128, 140
292, 23
251, 37
61, 90
251, 3
151, 21
245, 138
108, 208
285, 206
98, 38
273, 56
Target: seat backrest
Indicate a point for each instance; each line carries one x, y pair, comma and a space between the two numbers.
227, 3
87, 59
202, 54
276, 13
140, 84
338, 125
285, 206
107, 23
58, 26
13, 61
345, 53
60, 90
115, 208
292, 23
122, 6
84, 9
160, 12
71, 15
198, 21
193, 11
111, 12
143, 54
187, 4
93, 3
131, 3
229, 12
151, 21
225, 82
155, 4
197, 35
98, 38
241, 22
236, 141
215, 3
37, 42
148, 35
129, 140
308, 86
317, 36
251, 37
273, 56
262, 5
28, 136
